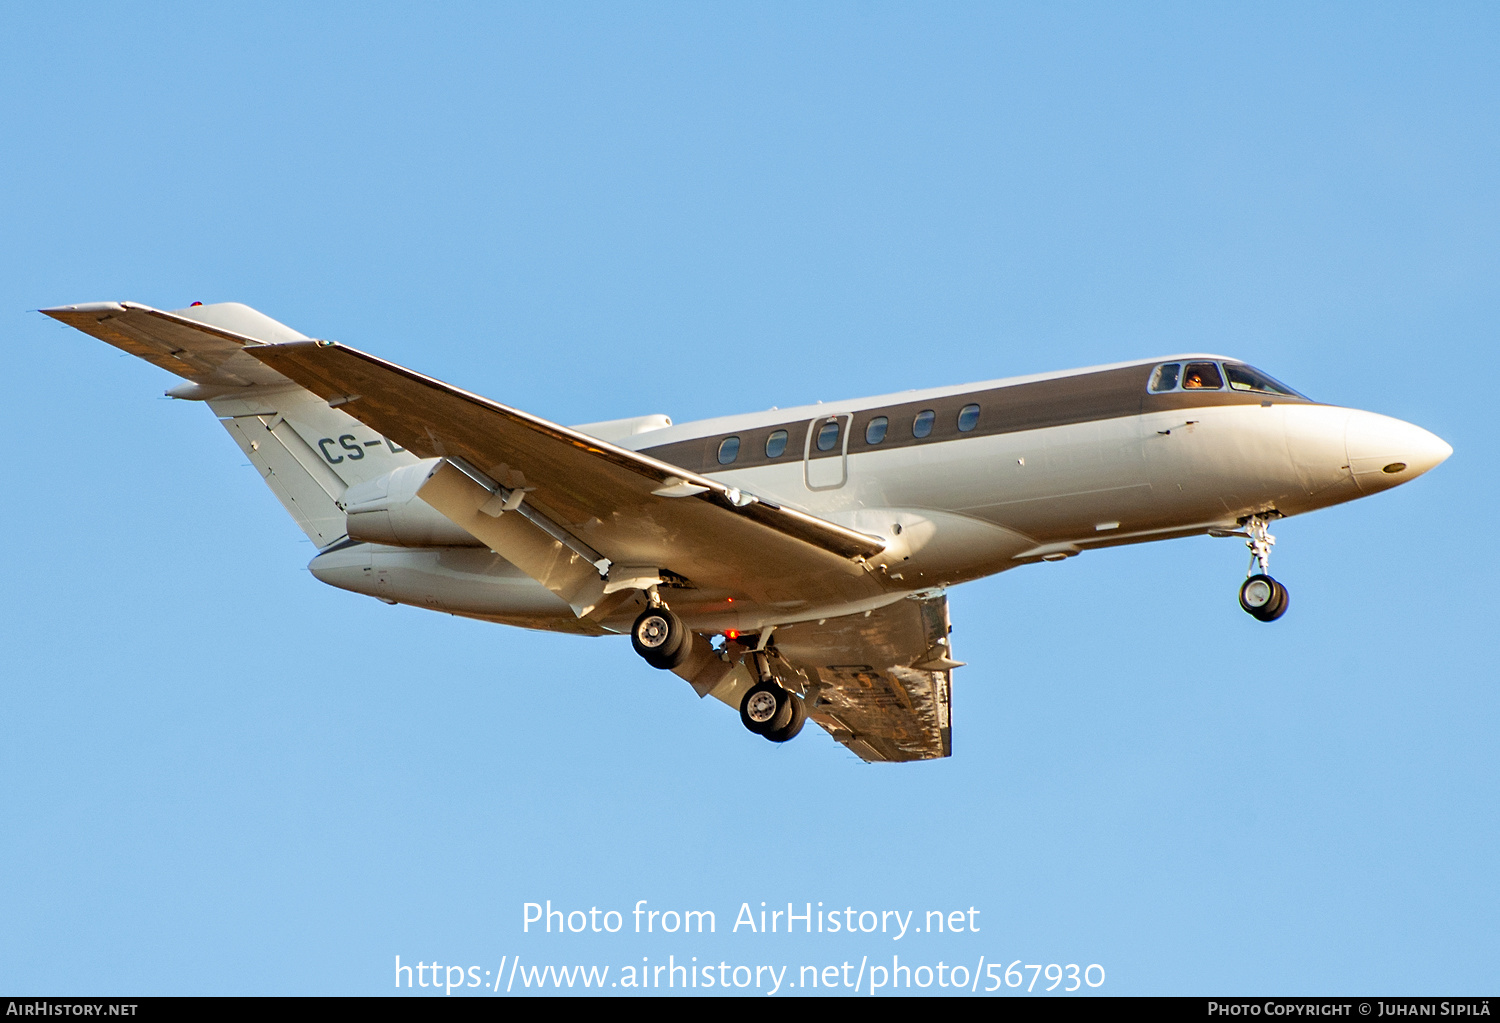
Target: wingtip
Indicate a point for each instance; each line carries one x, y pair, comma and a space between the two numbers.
58, 312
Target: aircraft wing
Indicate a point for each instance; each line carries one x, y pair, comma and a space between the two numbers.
880, 683
185, 342
587, 495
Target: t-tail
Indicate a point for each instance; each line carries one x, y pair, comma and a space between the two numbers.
308, 451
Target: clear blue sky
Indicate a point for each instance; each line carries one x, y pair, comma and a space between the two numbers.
220, 776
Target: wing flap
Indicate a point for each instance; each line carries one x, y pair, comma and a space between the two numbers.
879, 683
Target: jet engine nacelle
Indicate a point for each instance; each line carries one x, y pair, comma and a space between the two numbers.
387, 510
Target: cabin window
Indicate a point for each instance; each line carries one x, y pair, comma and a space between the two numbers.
729, 450
828, 435
1201, 376
776, 444
1248, 378
968, 418
875, 432
922, 425
1165, 377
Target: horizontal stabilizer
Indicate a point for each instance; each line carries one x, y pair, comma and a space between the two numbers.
205, 343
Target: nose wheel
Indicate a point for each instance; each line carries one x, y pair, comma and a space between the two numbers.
1262, 597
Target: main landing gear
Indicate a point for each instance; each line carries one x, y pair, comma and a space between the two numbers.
660, 637
770, 710
1261, 596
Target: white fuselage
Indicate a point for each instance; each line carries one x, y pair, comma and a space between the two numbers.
954, 506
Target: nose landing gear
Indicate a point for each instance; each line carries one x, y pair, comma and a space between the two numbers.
1261, 596
1264, 598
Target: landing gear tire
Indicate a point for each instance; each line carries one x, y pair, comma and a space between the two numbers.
1264, 598
792, 727
767, 708
660, 637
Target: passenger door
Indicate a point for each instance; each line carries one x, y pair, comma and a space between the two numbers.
825, 452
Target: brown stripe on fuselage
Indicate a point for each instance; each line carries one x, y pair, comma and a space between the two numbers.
1061, 401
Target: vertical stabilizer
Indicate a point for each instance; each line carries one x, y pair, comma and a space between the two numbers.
308, 453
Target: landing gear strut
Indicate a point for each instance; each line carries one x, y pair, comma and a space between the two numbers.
1261, 596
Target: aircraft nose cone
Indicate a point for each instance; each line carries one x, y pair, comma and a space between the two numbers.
1384, 452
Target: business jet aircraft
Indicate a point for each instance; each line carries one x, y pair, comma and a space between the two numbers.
791, 563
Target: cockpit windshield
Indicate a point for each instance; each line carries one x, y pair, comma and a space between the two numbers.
1206, 376
1202, 376
1248, 378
